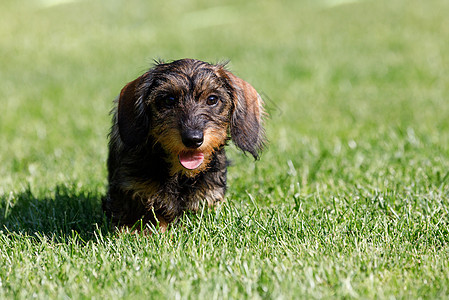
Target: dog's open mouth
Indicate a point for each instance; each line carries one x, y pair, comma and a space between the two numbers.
191, 160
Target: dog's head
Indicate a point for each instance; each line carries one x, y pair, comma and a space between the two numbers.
190, 108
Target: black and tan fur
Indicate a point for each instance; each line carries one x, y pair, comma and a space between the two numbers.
186, 106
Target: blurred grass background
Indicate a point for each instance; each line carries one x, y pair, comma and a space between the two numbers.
330, 72
356, 92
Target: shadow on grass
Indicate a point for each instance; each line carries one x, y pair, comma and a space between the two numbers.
63, 213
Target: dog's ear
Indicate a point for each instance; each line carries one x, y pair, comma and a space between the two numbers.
131, 119
246, 124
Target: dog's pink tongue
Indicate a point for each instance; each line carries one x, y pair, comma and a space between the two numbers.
191, 160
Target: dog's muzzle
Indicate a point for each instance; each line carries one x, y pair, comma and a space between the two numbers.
192, 139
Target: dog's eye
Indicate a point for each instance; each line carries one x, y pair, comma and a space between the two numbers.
212, 100
169, 101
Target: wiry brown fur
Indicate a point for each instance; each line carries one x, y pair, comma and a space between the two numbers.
153, 116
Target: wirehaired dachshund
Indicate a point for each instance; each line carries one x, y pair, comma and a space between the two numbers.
168, 137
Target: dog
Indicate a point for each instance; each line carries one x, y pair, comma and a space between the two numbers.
166, 145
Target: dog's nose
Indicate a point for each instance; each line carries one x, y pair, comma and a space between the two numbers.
192, 138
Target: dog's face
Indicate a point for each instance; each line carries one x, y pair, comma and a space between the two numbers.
190, 108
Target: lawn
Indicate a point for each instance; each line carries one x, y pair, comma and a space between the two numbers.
349, 200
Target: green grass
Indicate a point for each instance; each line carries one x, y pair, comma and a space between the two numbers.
350, 200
